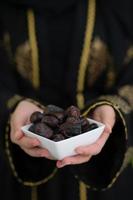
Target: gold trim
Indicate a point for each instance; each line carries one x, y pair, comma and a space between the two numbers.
100, 58
36, 103
129, 55
85, 52
127, 92
117, 100
26, 183
34, 48
16, 98
83, 191
34, 195
13, 100
128, 158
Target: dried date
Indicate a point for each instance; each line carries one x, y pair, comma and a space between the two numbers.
58, 124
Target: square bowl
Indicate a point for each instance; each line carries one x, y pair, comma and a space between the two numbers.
66, 147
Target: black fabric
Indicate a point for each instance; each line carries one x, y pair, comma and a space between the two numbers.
54, 7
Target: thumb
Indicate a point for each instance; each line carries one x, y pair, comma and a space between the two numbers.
16, 133
108, 128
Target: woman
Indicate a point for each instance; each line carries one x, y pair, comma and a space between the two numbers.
66, 53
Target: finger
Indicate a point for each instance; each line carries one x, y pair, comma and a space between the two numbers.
38, 152
17, 122
73, 160
94, 148
106, 118
15, 136
108, 128
26, 142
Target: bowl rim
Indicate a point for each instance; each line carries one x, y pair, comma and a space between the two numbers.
100, 125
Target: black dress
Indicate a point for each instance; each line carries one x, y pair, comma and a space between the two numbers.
67, 53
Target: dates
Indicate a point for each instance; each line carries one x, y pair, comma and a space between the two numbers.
71, 127
50, 120
58, 124
72, 111
36, 117
42, 129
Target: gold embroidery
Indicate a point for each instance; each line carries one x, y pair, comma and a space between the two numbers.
129, 55
23, 60
127, 93
34, 53
85, 52
128, 157
110, 77
123, 105
100, 59
83, 191
34, 193
12, 101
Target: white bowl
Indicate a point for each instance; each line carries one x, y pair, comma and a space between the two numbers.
64, 148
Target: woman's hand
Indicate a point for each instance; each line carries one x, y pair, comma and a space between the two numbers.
104, 114
19, 118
